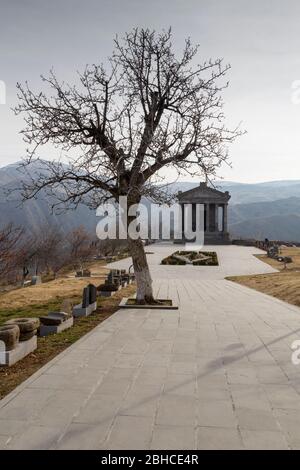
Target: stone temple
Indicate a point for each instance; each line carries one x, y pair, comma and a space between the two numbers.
215, 212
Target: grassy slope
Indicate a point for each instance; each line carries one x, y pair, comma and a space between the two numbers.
284, 285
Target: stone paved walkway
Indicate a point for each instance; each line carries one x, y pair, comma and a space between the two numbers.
216, 374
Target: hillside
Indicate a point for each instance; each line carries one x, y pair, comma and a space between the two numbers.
276, 227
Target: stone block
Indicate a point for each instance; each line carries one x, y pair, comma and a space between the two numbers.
106, 293
46, 330
80, 311
8, 358
54, 318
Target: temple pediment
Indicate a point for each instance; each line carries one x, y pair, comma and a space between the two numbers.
203, 193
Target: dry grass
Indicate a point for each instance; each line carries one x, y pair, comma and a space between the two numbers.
284, 285
59, 289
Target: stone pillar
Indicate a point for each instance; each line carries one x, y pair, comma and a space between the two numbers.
212, 217
225, 217
216, 217
207, 217
194, 217
182, 220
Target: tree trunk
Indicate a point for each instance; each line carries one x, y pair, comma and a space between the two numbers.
144, 293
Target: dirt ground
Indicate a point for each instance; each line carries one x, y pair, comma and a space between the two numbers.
284, 285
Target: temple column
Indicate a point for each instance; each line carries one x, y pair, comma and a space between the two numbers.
182, 220
212, 218
193, 217
225, 217
207, 217
216, 218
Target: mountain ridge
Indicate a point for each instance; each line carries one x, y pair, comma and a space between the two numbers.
256, 210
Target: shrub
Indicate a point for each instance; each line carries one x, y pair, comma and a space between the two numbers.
170, 260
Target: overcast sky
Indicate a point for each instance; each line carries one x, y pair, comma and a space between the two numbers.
260, 39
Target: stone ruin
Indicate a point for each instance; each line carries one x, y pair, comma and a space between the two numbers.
273, 252
83, 273
56, 322
116, 279
18, 338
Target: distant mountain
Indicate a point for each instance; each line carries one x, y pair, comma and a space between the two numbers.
261, 192
242, 212
37, 213
242, 193
276, 227
262, 210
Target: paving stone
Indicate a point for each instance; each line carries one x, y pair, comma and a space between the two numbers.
61, 408
218, 414
216, 438
250, 396
176, 410
3, 442
129, 360
256, 420
113, 386
242, 375
130, 432
183, 367
35, 438
289, 421
140, 403
152, 359
212, 394
173, 438
83, 437
270, 374
10, 427
283, 396
99, 409
180, 384
26, 405
264, 440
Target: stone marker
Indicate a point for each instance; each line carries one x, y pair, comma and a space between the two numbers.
92, 293
88, 304
85, 298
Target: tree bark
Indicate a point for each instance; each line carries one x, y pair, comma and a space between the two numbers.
143, 278
144, 293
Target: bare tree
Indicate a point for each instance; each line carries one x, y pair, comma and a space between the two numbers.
150, 109
111, 247
81, 247
49, 250
10, 248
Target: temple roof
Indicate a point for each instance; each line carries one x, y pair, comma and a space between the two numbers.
202, 194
